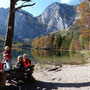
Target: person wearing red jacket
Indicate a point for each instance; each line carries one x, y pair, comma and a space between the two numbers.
6, 52
26, 61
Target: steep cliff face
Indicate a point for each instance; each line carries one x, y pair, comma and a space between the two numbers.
56, 17
3, 20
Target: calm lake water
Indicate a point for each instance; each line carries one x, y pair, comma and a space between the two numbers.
50, 57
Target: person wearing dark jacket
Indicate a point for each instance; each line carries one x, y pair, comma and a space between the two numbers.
20, 64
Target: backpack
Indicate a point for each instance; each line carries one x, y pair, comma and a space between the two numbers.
1, 66
28, 60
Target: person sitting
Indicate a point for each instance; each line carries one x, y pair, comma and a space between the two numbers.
6, 63
26, 61
20, 64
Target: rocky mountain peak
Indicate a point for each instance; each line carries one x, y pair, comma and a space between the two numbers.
56, 17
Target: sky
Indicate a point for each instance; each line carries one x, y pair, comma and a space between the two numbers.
40, 5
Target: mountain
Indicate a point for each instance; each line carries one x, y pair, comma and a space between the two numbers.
56, 17
3, 20
25, 26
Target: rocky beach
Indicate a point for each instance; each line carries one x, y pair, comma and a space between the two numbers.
58, 77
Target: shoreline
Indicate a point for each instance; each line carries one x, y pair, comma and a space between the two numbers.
60, 77
67, 77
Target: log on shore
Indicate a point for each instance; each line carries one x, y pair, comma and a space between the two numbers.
2, 79
16, 74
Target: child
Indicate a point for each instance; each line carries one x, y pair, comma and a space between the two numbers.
26, 61
7, 64
7, 52
20, 64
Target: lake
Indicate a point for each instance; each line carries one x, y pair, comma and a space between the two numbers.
48, 57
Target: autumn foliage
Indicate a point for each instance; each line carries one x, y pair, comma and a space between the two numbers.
77, 38
48, 42
84, 20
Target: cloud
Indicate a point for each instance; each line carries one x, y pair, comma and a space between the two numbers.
66, 1
4, 3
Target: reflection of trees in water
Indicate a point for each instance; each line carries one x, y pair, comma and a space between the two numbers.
17, 52
46, 56
49, 53
1, 50
39, 53
20, 52
57, 53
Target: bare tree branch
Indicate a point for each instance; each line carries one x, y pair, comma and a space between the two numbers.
24, 6
27, 17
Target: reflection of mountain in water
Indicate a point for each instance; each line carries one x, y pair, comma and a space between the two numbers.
1, 50
19, 51
45, 56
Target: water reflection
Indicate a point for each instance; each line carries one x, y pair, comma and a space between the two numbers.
19, 51
57, 57
1, 50
45, 56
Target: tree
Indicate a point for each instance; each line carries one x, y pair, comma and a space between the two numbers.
11, 19
84, 21
58, 40
50, 40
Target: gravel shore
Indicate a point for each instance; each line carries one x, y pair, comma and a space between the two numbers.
59, 77
64, 77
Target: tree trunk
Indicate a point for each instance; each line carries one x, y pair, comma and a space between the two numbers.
10, 26
88, 1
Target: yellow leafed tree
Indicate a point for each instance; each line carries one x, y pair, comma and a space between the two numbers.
84, 20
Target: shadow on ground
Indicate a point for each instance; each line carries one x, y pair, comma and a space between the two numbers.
39, 85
